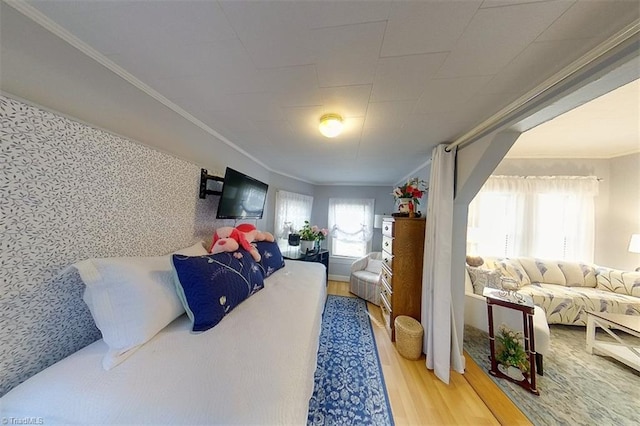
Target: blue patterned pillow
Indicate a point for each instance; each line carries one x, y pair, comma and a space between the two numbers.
272, 259
211, 286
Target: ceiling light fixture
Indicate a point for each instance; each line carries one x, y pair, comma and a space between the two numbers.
330, 125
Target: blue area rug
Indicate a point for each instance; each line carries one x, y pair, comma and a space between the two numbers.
349, 385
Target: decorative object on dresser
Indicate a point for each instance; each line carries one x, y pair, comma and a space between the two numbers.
409, 194
401, 281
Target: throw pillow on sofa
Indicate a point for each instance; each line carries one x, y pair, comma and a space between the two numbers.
513, 269
481, 278
616, 281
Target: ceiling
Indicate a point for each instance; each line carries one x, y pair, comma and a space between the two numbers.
606, 127
405, 76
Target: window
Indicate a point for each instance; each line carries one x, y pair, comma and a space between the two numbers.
548, 217
291, 211
351, 226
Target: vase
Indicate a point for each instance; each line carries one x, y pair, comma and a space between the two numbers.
405, 205
306, 245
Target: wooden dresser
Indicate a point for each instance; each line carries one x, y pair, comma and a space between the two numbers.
402, 256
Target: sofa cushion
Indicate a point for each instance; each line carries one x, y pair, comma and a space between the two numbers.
543, 271
620, 282
569, 305
559, 272
578, 274
481, 278
513, 269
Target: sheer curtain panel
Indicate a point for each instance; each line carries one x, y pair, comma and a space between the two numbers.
551, 217
292, 210
350, 226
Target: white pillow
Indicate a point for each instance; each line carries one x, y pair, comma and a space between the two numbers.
131, 300
374, 265
195, 250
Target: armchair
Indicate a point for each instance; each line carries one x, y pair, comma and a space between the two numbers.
364, 280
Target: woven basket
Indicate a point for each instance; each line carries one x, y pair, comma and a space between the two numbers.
408, 337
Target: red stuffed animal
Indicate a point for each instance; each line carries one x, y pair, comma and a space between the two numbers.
221, 242
252, 234
222, 245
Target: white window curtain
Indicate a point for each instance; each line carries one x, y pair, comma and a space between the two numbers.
292, 210
439, 317
549, 217
351, 226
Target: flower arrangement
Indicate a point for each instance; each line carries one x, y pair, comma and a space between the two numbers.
414, 189
510, 352
312, 233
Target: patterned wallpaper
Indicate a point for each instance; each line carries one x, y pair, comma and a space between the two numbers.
70, 192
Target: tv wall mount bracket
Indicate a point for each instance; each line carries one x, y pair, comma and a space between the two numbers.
206, 177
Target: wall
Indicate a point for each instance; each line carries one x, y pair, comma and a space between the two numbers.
72, 192
624, 213
339, 268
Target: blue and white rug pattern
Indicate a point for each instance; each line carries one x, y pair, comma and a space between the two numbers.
349, 386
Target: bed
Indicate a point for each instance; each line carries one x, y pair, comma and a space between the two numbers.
256, 366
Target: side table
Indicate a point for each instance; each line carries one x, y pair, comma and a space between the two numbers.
524, 304
318, 255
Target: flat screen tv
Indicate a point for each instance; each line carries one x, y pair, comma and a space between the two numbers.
242, 196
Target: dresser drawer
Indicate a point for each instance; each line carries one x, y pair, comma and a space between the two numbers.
387, 259
386, 315
387, 244
387, 276
387, 229
386, 292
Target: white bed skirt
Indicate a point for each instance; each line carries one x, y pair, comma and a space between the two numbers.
255, 367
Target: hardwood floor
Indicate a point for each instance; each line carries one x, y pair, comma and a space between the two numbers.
418, 397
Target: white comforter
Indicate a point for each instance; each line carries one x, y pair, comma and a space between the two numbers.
255, 367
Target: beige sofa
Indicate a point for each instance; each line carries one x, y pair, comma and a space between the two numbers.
567, 290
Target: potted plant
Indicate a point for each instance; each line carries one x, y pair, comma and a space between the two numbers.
310, 236
510, 354
409, 194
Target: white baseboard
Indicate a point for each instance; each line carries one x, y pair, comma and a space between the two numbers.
338, 278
